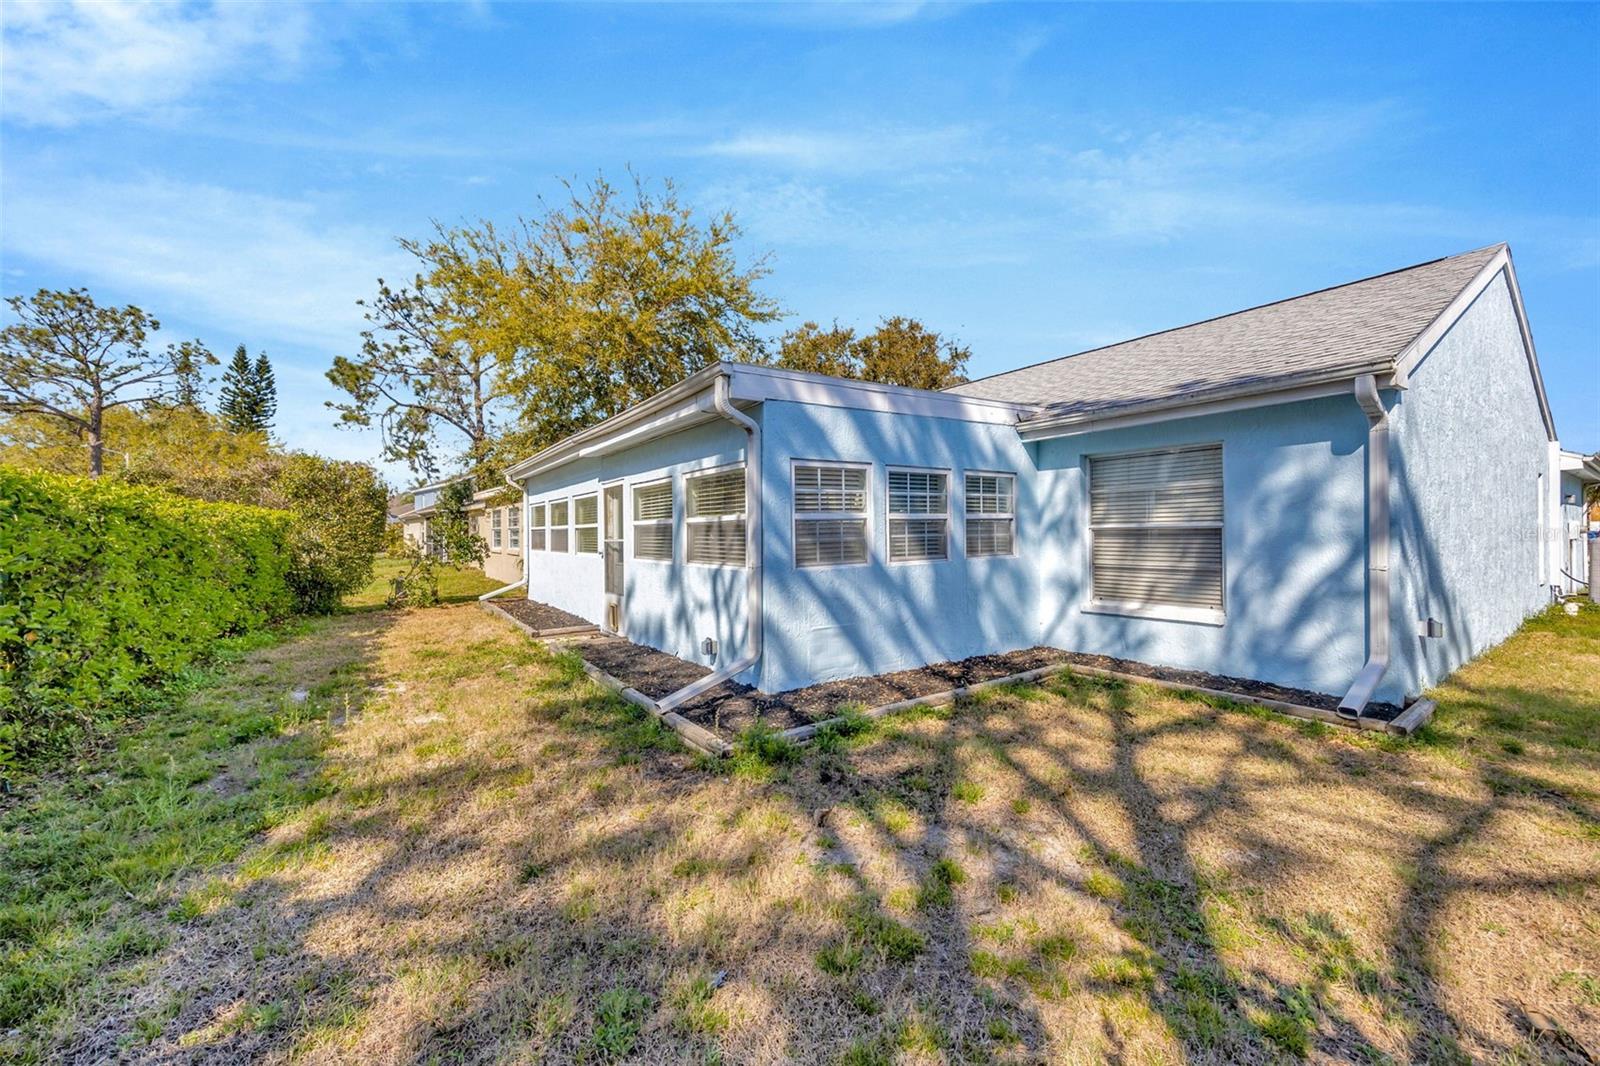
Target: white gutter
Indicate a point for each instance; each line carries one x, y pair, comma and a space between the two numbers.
1366, 682
721, 404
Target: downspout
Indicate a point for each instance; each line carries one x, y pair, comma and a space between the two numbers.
1366, 682
722, 405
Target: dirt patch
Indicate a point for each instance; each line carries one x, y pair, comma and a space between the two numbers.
540, 616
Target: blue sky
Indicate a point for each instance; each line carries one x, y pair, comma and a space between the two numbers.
1030, 179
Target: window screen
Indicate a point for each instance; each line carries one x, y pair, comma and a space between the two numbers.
1156, 520
536, 527
715, 517
559, 535
652, 521
830, 508
919, 505
990, 502
586, 523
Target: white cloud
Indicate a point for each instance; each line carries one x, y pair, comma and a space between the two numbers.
851, 151
70, 62
263, 263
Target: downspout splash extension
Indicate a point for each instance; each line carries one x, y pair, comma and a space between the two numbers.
722, 405
1366, 682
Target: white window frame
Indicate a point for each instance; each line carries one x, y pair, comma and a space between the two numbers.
890, 516
1161, 611
599, 545
670, 521
539, 528
864, 515
968, 515
688, 520
565, 528
495, 533
514, 528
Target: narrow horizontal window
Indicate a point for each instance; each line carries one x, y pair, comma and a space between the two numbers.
652, 521
715, 518
559, 533
586, 523
918, 509
1156, 523
990, 503
830, 524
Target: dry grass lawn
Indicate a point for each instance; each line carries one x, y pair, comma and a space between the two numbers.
494, 860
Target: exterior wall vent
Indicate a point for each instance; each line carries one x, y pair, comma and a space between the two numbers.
708, 648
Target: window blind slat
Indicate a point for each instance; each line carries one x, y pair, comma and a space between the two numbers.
721, 493
652, 501
653, 540
989, 536
830, 541
1155, 519
829, 488
719, 542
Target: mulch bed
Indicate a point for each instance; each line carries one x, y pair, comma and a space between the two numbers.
652, 672
538, 615
731, 708
1244, 687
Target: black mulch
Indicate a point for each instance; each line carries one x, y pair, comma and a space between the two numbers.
730, 708
540, 616
1383, 712
654, 673
733, 708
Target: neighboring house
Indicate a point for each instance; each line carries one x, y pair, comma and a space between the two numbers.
1578, 473
399, 505
417, 523
1345, 492
500, 527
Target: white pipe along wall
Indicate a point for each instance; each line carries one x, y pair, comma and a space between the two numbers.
722, 405
1366, 682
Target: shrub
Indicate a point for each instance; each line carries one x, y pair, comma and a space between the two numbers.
339, 510
107, 591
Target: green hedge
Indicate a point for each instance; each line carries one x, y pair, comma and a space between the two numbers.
107, 591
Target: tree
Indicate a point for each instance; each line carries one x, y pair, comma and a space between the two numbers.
526, 335
616, 299
820, 351
340, 513
266, 388
69, 359
249, 396
901, 351
431, 367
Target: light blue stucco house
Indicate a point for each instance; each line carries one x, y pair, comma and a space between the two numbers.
1350, 492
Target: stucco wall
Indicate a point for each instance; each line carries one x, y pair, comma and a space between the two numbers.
1293, 561
670, 606
831, 622
1469, 446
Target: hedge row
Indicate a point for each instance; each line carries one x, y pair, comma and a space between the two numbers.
107, 591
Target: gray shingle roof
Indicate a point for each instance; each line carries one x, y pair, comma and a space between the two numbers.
1363, 323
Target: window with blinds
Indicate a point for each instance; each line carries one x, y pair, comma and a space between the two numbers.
652, 521
586, 523
514, 528
714, 517
990, 503
536, 527
559, 534
830, 515
494, 529
919, 515
1156, 523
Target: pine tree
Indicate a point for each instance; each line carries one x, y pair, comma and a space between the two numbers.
266, 389
234, 403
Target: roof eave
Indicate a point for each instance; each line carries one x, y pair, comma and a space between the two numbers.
1290, 389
